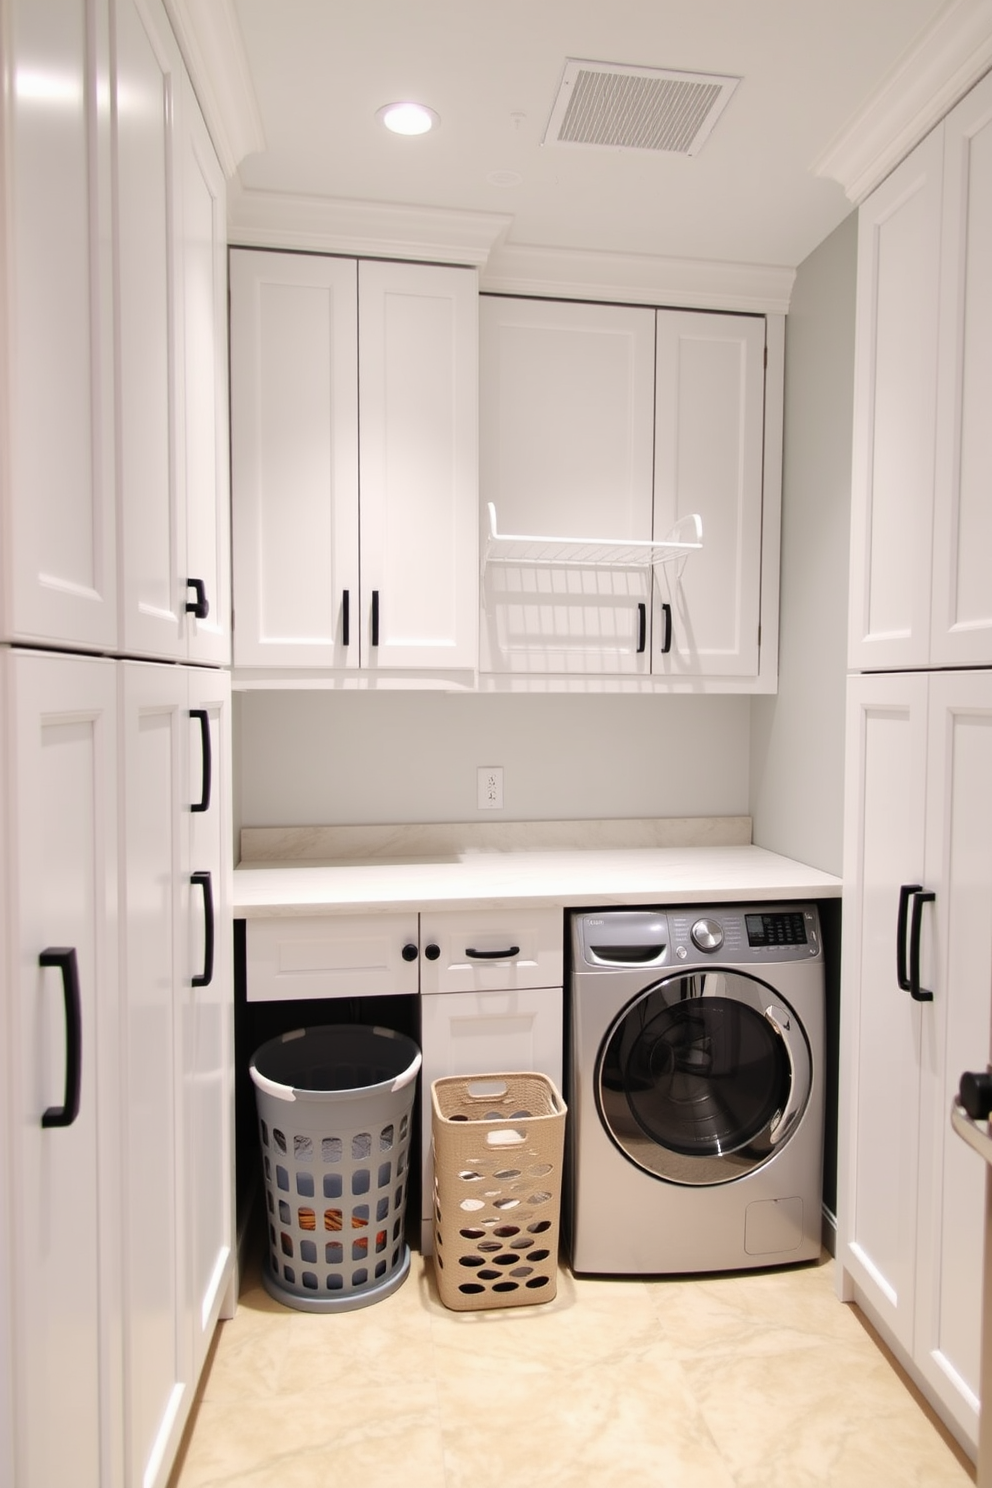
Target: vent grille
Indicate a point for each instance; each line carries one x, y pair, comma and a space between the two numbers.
636, 108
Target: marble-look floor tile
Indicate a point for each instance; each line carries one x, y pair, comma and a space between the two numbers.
832, 1416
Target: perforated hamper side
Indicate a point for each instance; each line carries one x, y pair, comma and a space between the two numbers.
498, 1161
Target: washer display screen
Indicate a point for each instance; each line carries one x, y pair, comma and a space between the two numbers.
775, 929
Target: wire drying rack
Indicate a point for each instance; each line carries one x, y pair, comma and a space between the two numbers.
504, 547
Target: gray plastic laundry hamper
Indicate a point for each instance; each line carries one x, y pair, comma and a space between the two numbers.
334, 1107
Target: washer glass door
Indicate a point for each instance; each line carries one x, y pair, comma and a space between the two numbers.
703, 1076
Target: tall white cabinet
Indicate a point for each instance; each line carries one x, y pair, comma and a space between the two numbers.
116, 853
917, 959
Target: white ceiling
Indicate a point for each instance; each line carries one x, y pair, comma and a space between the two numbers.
320, 69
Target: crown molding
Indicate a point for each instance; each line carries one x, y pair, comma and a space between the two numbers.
272, 219
698, 284
213, 49
928, 79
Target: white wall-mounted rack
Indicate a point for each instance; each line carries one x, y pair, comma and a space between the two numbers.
503, 547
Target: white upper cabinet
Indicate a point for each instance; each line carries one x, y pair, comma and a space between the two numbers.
115, 421
709, 444
567, 414
323, 578
962, 530
894, 415
294, 454
59, 570
171, 310
418, 359
614, 426
921, 589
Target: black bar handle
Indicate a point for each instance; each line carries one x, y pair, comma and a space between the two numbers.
64, 957
905, 892
203, 804
666, 644
493, 955
642, 627
200, 608
375, 617
918, 993
204, 882
346, 617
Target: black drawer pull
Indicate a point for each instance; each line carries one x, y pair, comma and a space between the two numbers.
493, 955
64, 957
203, 804
200, 608
666, 644
642, 627
375, 617
346, 617
204, 882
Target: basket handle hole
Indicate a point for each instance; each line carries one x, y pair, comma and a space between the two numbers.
507, 1137
483, 1089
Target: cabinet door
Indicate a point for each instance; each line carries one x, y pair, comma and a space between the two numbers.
475, 950
208, 1013
205, 441
299, 956
895, 401
418, 389
61, 718
566, 445
962, 532
59, 580
885, 1035
147, 90
155, 909
957, 966
709, 436
294, 433
471, 1033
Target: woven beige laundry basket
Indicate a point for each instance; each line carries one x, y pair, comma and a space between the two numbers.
498, 1158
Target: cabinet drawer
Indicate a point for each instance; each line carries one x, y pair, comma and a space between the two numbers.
330, 956
530, 941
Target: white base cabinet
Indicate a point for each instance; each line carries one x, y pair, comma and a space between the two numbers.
911, 1197
122, 1221
491, 1002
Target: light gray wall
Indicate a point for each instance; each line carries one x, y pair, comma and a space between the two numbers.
797, 736
368, 758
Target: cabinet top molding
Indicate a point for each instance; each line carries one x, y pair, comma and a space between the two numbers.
946, 60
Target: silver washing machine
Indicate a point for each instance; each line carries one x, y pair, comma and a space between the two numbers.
696, 1088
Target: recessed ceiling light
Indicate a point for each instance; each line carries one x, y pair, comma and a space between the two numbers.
408, 118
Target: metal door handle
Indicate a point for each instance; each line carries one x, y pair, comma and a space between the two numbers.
910, 981
375, 617
200, 608
64, 957
345, 617
203, 881
642, 627
666, 611
493, 955
203, 804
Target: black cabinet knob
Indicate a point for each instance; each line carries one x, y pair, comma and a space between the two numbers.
432, 951
975, 1095
409, 953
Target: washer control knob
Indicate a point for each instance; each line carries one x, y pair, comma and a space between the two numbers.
707, 935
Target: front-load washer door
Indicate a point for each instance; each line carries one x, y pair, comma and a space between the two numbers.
703, 1076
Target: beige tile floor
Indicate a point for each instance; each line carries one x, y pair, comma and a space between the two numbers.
759, 1380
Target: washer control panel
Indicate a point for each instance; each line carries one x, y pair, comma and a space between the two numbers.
727, 933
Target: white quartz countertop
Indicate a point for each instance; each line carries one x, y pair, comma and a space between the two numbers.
565, 878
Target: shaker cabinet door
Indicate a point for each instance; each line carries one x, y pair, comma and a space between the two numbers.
294, 433
61, 959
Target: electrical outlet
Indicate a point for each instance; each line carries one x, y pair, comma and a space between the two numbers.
490, 787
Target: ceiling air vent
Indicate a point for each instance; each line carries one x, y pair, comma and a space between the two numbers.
636, 108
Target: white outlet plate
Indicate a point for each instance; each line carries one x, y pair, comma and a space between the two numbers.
490, 787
